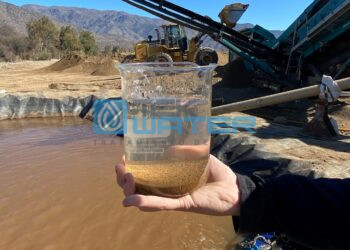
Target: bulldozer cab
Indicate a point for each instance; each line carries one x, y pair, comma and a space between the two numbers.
174, 37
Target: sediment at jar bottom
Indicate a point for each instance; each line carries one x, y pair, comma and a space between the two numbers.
169, 178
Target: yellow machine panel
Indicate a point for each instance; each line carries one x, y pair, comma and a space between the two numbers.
141, 51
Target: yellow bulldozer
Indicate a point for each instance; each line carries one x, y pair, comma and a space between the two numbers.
172, 45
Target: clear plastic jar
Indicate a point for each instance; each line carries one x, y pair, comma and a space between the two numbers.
166, 141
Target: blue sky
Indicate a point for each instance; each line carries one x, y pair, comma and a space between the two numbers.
271, 14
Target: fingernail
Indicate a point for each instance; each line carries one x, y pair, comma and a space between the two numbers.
126, 203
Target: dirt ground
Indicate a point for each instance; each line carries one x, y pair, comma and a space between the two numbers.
73, 77
223, 57
33, 76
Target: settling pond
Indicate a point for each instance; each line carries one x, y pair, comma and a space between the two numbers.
58, 191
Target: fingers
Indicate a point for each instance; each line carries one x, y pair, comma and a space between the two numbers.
120, 171
148, 203
152, 203
125, 180
129, 185
144, 203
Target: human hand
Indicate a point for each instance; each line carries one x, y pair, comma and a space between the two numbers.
220, 196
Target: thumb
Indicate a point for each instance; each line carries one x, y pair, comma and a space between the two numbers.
152, 203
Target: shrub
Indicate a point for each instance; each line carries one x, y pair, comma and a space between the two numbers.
42, 56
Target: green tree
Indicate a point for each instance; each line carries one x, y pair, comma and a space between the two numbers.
20, 45
88, 42
12, 44
107, 50
116, 50
43, 35
69, 41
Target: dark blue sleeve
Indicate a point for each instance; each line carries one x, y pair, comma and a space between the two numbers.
312, 212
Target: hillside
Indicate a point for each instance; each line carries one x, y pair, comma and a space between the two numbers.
15, 16
109, 27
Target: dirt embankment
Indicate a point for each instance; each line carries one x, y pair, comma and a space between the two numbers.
71, 76
95, 66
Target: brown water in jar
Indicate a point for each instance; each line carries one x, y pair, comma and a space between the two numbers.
169, 178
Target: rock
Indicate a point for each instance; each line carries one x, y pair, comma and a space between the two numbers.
53, 86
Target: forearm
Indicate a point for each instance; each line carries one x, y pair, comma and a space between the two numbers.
315, 212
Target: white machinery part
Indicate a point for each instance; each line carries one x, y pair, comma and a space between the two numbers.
329, 89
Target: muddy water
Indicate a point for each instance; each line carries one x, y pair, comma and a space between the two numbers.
58, 191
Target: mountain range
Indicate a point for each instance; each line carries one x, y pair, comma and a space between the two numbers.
109, 27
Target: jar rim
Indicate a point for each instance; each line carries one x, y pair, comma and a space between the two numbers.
164, 66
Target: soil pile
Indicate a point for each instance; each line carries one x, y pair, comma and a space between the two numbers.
95, 66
